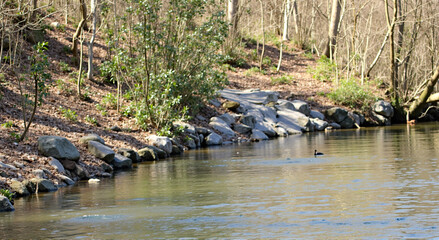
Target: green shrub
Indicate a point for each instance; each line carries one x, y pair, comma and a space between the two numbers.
8, 124
350, 93
110, 101
102, 109
324, 71
91, 120
64, 67
69, 114
284, 79
254, 70
9, 195
266, 61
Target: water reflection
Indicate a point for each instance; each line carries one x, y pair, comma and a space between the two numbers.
371, 183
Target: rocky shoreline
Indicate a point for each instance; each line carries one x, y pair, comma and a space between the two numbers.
252, 115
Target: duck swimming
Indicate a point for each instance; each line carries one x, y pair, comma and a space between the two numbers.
317, 153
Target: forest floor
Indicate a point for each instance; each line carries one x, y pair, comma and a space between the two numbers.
50, 119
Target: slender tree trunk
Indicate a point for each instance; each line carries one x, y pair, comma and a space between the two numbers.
78, 82
286, 20
90, 45
232, 9
333, 28
66, 13
296, 17
392, 65
263, 35
78, 32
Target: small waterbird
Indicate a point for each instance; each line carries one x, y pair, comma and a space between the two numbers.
317, 153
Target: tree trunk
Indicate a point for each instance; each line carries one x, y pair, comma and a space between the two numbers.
232, 9
78, 32
333, 28
263, 35
286, 20
392, 65
418, 106
90, 45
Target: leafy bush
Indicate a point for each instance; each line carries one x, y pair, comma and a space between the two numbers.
8, 124
91, 120
9, 195
324, 71
110, 101
266, 61
64, 67
254, 70
350, 93
69, 114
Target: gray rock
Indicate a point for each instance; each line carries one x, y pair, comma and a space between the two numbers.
316, 114
164, 143
91, 137
215, 102
186, 127
347, 122
57, 165
159, 152
213, 139
81, 172
203, 130
5, 204
19, 188
266, 128
7, 166
39, 173
190, 142
383, 108
302, 107
115, 128
319, 125
101, 151
285, 105
148, 154
176, 150
294, 122
201, 118
66, 179
241, 128
106, 167
69, 165
222, 127
229, 119
57, 147
381, 120
258, 135
269, 114
248, 120
335, 125
129, 153
250, 96
122, 162
336, 114
280, 131
18, 164
43, 185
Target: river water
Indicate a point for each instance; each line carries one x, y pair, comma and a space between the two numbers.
371, 183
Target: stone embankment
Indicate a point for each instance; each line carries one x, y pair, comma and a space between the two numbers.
253, 114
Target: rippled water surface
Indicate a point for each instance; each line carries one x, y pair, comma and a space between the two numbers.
371, 183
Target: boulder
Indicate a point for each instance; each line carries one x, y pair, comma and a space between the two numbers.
319, 125
66, 179
5, 204
116, 129
57, 165
43, 185
164, 143
129, 153
336, 114
280, 131
383, 108
242, 128
106, 167
215, 102
147, 154
316, 114
159, 152
19, 188
69, 165
101, 151
203, 130
7, 166
213, 139
81, 172
18, 164
248, 120
91, 137
266, 128
190, 142
229, 119
269, 114
57, 147
294, 122
231, 105
380, 119
121, 162
285, 105
186, 127
347, 122
258, 135
335, 125
250, 96
222, 127
302, 107
177, 148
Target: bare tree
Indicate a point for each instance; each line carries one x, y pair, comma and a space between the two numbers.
78, 31
232, 9
92, 39
333, 28
392, 65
